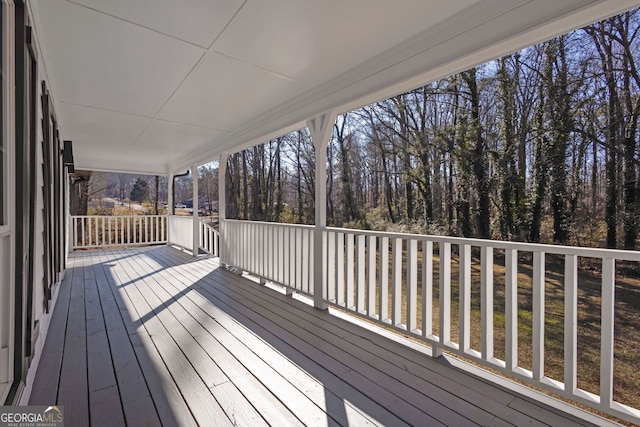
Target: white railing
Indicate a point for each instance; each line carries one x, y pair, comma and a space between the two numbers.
280, 253
95, 231
181, 231
209, 238
407, 282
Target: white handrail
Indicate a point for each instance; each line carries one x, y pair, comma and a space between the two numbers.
95, 231
375, 275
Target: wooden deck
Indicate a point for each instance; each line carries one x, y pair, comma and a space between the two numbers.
151, 336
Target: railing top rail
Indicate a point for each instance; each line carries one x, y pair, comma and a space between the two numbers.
619, 254
270, 224
118, 216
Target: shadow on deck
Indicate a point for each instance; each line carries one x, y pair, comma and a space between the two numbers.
151, 336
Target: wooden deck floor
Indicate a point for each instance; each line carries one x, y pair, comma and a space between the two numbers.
151, 336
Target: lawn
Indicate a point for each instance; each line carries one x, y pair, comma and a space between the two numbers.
627, 317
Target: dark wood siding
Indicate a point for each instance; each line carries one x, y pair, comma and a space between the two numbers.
25, 197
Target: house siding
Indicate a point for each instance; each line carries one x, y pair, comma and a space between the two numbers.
19, 355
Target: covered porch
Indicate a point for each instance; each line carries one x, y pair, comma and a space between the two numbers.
329, 326
151, 336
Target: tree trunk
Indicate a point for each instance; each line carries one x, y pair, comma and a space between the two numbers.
561, 124
388, 191
232, 193
509, 176
80, 198
245, 186
157, 195
600, 34
279, 183
629, 143
479, 160
256, 195
350, 210
520, 196
539, 173
611, 211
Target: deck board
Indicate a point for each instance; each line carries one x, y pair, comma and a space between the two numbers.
294, 399
137, 403
275, 335
191, 386
240, 382
73, 386
362, 353
311, 388
104, 397
362, 366
346, 356
45, 385
170, 405
152, 336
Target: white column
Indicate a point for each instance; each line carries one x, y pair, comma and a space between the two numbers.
222, 205
320, 128
196, 205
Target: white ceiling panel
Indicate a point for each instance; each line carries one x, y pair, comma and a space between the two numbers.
310, 40
96, 130
174, 138
223, 93
99, 61
155, 86
196, 21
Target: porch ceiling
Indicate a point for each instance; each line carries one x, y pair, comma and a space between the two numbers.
157, 85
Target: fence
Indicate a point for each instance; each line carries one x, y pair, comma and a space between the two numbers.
101, 231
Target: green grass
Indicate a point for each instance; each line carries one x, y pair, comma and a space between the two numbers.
627, 321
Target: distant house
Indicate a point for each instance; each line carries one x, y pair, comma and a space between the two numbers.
203, 203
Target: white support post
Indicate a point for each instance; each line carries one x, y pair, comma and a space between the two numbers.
222, 206
320, 128
196, 204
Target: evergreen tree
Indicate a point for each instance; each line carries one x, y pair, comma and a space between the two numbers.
140, 191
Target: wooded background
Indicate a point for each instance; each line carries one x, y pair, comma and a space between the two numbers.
540, 145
